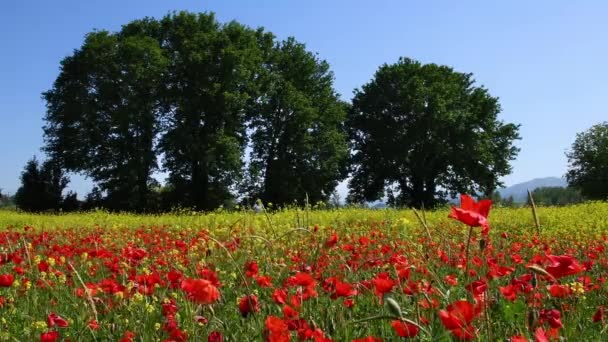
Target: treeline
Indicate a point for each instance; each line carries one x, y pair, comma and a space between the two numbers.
544, 196
231, 114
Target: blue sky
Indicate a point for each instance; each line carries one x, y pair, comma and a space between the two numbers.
545, 60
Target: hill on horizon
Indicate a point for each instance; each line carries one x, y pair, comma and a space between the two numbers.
520, 191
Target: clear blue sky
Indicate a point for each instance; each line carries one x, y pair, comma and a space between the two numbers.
546, 60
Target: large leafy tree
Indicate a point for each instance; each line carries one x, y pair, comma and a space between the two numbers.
422, 131
41, 186
296, 122
211, 72
588, 162
102, 115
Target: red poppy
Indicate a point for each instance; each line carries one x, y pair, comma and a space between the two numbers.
50, 336
562, 265
343, 290
553, 317
518, 338
6, 280
264, 281
93, 325
471, 213
279, 296
129, 335
248, 304
540, 336
333, 240
276, 330
559, 291
383, 284
598, 316
54, 319
368, 339
405, 329
509, 292
200, 291
215, 336
477, 288
457, 318
251, 269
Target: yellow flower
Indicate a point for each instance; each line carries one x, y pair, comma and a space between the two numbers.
39, 325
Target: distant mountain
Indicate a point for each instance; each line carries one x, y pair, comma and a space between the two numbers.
519, 191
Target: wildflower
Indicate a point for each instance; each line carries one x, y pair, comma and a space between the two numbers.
93, 325
405, 329
251, 269
457, 318
54, 319
562, 265
383, 284
265, 281
248, 304
6, 280
49, 336
200, 291
471, 213
128, 337
368, 339
279, 296
215, 336
333, 240
276, 330
598, 316
553, 317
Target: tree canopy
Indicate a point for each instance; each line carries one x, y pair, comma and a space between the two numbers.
184, 95
41, 187
588, 162
419, 132
297, 135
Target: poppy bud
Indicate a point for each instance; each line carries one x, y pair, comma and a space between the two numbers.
482, 244
393, 306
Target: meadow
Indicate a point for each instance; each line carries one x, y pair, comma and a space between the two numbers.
305, 274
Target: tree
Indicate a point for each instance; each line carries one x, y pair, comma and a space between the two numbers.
588, 162
70, 202
102, 115
421, 132
555, 195
41, 186
298, 142
211, 71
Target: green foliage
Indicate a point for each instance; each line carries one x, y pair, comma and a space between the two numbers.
102, 115
419, 132
41, 187
556, 196
6, 201
209, 82
588, 162
299, 147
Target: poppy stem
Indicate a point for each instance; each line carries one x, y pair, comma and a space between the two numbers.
466, 261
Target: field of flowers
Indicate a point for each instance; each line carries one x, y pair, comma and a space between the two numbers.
307, 275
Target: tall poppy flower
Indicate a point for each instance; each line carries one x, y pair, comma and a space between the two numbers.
471, 213
50, 336
200, 291
457, 319
563, 265
276, 330
248, 304
405, 329
6, 280
55, 320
